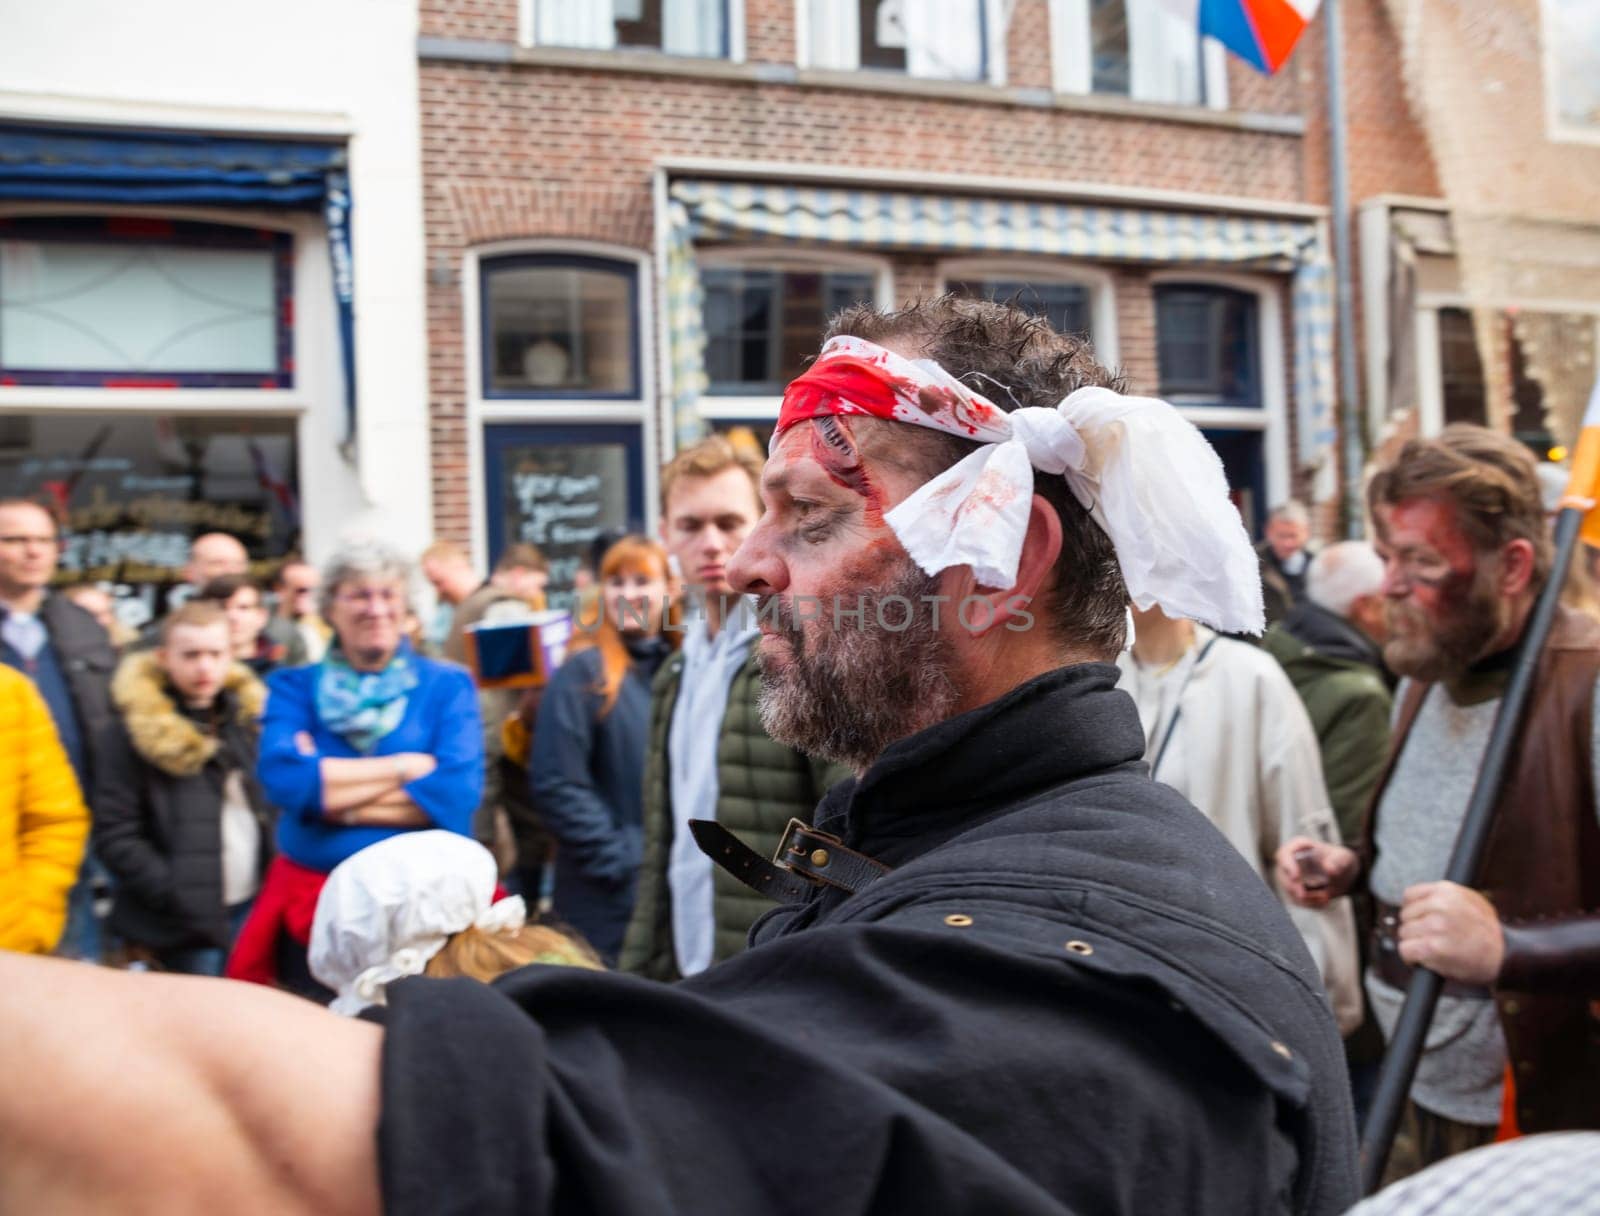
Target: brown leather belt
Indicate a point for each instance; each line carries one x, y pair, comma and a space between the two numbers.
805, 859
1388, 966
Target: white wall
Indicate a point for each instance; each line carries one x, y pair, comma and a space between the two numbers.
291, 67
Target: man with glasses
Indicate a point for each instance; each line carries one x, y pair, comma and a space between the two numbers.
69, 658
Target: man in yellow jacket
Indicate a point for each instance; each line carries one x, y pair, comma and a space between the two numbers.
43, 821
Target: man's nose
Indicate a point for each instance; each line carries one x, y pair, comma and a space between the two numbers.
755, 568
1395, 584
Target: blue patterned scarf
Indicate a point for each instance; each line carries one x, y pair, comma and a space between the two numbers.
364, 706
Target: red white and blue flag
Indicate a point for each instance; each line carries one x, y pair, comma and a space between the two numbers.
1261, 32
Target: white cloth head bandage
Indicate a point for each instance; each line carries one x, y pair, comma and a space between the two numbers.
1144, 473
386, 911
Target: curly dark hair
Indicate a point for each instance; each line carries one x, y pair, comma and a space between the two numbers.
1014, 359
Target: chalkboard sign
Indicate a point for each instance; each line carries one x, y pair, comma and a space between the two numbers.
132, 491
561, 489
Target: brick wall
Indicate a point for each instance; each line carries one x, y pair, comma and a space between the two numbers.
562, 150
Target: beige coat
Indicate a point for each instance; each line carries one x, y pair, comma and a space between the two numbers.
1244, 752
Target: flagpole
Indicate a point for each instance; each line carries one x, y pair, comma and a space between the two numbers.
1422, 995
1350, 426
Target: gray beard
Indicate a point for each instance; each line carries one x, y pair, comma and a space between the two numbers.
845, 691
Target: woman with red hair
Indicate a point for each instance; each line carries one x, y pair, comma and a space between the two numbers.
586, 768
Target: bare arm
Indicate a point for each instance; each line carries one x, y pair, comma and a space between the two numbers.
392, 810
245, 1100
352, 783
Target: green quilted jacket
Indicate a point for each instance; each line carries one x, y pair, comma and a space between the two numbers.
760, 786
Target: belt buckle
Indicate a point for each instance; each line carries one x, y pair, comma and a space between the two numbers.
786, 847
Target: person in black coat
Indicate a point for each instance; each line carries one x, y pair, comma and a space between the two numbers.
1011, 973
586, 767
180, 820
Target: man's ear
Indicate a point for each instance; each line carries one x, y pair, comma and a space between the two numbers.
1040, 549
1516, 567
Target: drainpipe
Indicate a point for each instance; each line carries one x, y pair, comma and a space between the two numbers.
1350, 422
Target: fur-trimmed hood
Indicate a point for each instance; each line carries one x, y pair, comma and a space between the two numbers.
159, 730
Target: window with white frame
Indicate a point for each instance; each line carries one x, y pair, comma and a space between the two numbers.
559, 325
931, 39
1075, 300
1068, 307
1142, 49
1572, 67
1208, 345
763, 321
678, 27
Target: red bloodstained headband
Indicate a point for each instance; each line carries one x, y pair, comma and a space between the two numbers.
854, 376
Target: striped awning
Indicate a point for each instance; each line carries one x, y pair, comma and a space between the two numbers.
706, 211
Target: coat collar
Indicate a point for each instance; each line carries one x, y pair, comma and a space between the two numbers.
160, 731
1065, 724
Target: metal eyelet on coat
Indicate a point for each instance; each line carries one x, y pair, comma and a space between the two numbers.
958, 920
1077, 947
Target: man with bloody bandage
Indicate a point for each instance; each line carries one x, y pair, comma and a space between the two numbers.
1010, 973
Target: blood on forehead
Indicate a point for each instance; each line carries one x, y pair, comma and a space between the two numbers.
1426, 523
833, 446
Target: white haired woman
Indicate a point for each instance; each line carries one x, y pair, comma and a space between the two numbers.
372, 741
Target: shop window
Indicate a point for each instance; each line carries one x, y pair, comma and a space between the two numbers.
678, 27
1207, 345
933, 39
1572, 67
1141, 49
128, 302
1460, 369
559, 326
762, 323
1069, 307
565, 489
133, 490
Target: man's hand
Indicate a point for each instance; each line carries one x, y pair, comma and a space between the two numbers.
1338, 864
1452, 930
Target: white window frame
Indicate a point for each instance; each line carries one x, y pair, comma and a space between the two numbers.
526, 32
1102, 291
531, 411
1272, 419
1556, 128
1072, 72
767, 257
996, 16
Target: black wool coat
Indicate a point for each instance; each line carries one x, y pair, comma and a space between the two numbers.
1071, 995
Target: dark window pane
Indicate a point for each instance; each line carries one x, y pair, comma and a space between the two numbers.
1108, 47
761, 325
560, 327
1460, 369
1527, 398
1207, 345
133, 490
1065, 305
883, 34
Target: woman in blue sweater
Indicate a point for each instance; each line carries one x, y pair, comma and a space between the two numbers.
586, 768
372, 741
